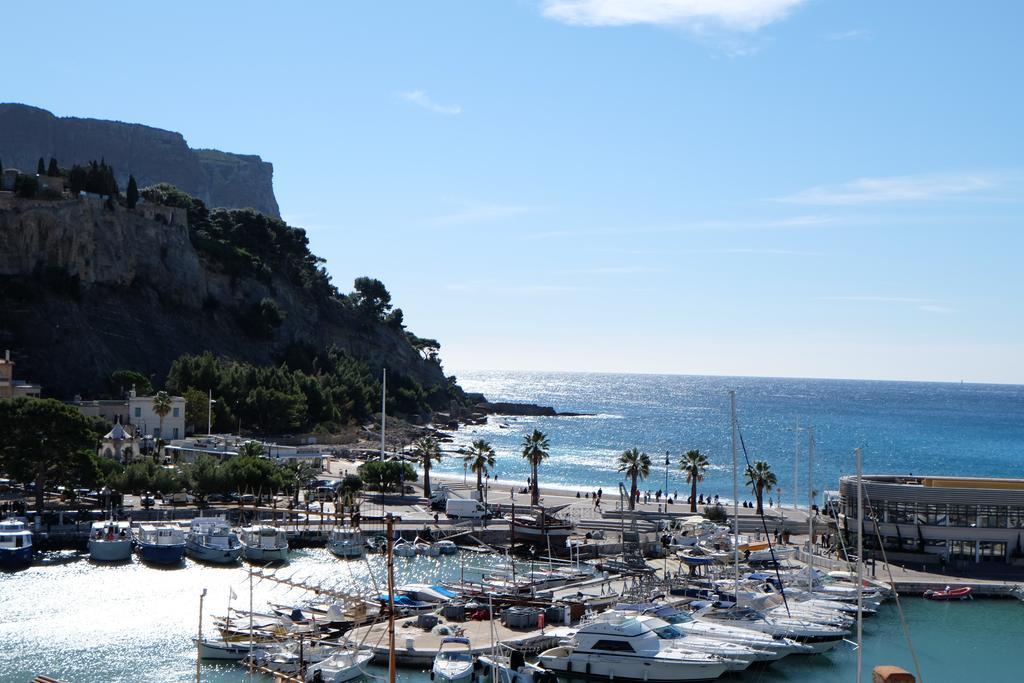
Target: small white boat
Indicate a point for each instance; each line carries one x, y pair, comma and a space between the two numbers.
226, 650
347, 665
446, 547
512, 669
160, 543
264, 543
453, 662
426, 592
15, 544
403, 548
425, 548
110, 541
346, 542
210, 539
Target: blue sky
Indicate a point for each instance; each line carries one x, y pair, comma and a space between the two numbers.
759, 187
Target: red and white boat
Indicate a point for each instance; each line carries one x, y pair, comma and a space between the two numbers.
963, 593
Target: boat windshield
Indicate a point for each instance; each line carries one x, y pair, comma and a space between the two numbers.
668, 632
679, 618
455, 656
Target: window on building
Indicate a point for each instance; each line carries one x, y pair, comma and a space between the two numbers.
176, 412
992, 516
961, 550
963, 515
175, 433
991, 551
901, 513
138, 412
1016, 517
156, 432
931, 515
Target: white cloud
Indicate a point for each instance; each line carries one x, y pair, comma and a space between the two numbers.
741, 15
421, 99
908, 188
476, 212
806, 221
855, 34
880, 299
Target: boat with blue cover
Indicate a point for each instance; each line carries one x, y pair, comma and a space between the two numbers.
160, 543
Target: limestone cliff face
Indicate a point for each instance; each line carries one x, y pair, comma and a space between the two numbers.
152, 155
86, 290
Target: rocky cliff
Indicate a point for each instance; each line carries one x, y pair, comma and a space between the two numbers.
152, 155
87, 289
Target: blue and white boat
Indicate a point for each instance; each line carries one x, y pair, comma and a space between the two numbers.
346, 541
110, 541
160, 543
15, 544
264, 543
210, 539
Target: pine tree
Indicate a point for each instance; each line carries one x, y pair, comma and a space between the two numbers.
132, 192
53, 170
41, 167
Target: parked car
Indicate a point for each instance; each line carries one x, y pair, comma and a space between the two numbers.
179, 499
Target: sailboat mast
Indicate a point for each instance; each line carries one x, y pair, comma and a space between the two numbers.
860, 567
383, 409
810, 506
796, 463
735, 501
391, 599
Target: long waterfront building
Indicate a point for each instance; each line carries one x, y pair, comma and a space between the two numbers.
957, 518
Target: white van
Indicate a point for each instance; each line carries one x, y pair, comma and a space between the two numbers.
460, 508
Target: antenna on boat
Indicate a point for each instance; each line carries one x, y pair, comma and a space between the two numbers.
810, 506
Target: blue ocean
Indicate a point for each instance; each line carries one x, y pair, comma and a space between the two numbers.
901, 427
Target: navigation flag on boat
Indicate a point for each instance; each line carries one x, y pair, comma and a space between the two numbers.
232, 593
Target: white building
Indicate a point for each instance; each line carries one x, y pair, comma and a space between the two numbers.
148, 423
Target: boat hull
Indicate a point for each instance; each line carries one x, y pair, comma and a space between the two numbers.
631, 669
346, 550
213, 554
256, 554
162, 554
110, 551
15, 558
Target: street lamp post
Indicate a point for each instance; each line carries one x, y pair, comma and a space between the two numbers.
668, 455
465, 471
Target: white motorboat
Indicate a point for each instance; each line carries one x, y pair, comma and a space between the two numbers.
210, 539
347, 665
264, 543
160, 543
15, 544
426, 592
819, 637
346, 542
512, 668
624, 648
426, 548
453, 662
731, 634
446, 547
403, 548
110, 541
739, 656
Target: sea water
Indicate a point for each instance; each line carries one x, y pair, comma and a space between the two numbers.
901, 427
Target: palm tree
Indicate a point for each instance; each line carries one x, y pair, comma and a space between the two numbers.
161, 406
535, 450
480, 457
636, 465
251, 449
760, 478
428, 452
694, 463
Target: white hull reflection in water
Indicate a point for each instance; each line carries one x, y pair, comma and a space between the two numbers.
87, 622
